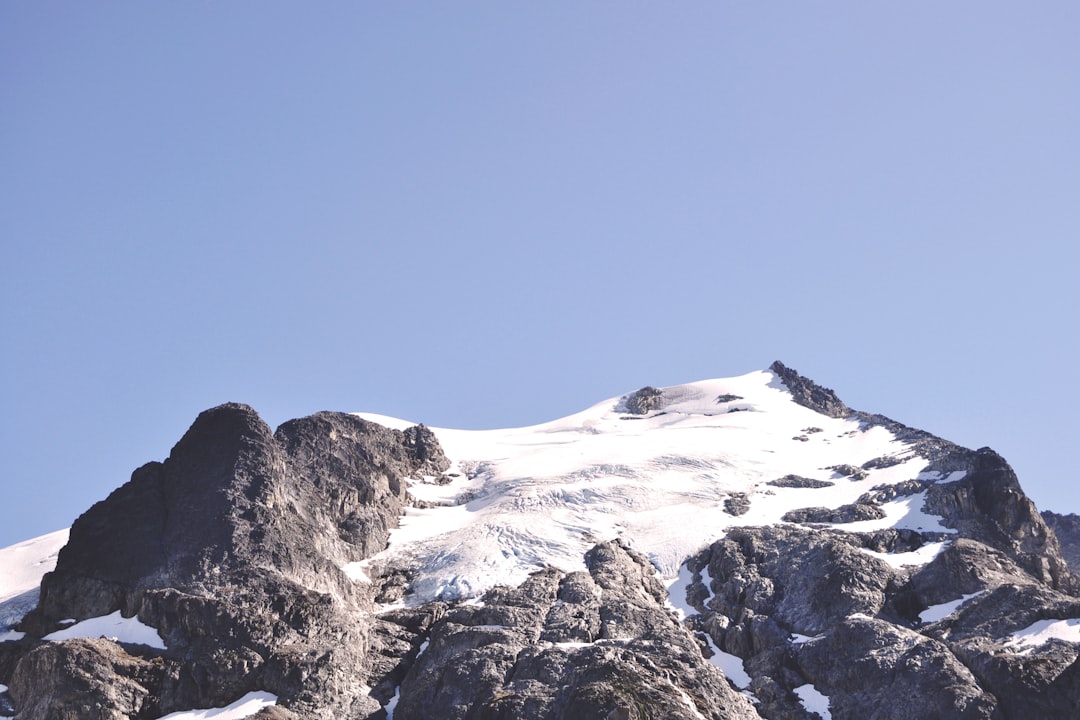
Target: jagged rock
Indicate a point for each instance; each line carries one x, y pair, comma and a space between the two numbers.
578, 645
988, 505
809, 394
737, 504
233, 547
805, 580
86, 680
797, 481
643, 401
1067, 530
849, 471
1034, 682
842, 514
862, 660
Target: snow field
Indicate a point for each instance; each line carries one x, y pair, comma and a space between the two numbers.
526, 498
22, 565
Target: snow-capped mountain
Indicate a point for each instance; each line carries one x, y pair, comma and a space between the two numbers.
734, 548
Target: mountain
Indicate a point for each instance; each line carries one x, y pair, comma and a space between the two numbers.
729, 549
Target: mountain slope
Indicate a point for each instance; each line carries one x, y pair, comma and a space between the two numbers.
621, 562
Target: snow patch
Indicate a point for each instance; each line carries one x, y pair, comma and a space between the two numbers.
921, 556
10, 636
814, 701
391, 706
732, 665
115, 626
944, 610
1041, 632
905, 513
677, 587
246, 706
356, 571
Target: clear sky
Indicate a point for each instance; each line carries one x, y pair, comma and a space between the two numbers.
492, 214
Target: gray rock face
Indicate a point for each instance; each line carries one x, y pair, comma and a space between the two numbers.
643, 401
806, 605
988, 505
232, 548
1067, 530
578, 645
87, 680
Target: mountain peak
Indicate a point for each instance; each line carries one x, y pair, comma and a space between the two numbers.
631, 555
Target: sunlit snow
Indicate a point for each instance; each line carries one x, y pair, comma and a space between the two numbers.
1041, 632
944, 610
526, 498
22, 565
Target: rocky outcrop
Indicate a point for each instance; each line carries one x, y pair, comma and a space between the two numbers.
1067, 530
862, 660
233, 548
809, 394
643, 401
988, 505
818, 606
87, 680
569, 645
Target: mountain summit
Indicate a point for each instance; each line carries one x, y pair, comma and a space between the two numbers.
735, 548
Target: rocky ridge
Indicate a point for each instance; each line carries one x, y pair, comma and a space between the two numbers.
234, 549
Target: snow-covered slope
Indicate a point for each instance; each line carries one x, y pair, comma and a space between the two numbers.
21, 567
666, 483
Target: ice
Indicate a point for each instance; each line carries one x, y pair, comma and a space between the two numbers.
540, 496
246, 706
126, 630
944, 610
814, 701
1041, 632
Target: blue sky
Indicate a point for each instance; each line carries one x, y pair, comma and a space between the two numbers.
492, 214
